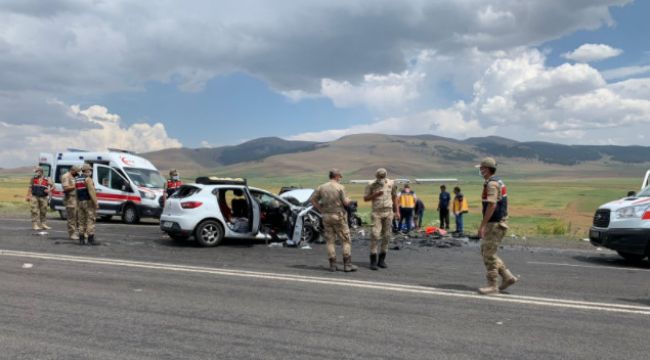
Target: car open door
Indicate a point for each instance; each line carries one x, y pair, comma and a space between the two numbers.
255, 215
646, 180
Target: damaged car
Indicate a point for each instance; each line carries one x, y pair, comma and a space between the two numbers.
300, 197
213, 208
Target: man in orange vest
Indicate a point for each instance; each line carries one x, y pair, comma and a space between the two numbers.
37, 195
407, 201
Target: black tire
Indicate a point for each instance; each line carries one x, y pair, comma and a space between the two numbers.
631, 257
130, 215
63, 215
309, 233
177, 237
355, 222
209, 233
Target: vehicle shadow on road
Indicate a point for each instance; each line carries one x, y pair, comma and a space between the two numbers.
190, 243
612, 261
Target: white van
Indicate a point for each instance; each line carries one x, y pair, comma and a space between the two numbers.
127, 185
624, 225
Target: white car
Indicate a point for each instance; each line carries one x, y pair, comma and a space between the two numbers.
624, 225
215, 208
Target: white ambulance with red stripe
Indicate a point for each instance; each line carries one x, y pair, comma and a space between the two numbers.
127, 185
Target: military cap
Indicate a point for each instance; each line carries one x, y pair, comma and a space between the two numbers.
173, 171
381, 173
74, 168
85, 167
489, 162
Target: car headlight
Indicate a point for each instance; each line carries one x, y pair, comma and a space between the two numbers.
631, 212
147, 195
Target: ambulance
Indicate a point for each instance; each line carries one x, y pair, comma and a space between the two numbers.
127, 185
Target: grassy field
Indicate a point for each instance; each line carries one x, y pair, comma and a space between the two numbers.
539, 208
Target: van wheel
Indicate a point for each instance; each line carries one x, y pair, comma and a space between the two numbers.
631, 257
63, 215
209, 233
130, 215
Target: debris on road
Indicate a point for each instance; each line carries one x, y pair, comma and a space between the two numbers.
27, 266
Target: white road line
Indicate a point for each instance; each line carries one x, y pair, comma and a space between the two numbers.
381, 286
586, 266
141, 225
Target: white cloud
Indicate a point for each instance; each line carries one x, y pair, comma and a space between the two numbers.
625, 72
23, 143
592, 52
443, 122
375, 91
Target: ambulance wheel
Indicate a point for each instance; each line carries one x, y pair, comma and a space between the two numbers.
130, 215
209, 233
63, 215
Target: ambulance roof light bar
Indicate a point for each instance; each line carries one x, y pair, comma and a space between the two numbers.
121, 151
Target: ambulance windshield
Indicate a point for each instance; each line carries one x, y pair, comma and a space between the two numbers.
146, 178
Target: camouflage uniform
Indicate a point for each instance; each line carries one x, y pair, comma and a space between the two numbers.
495, 230
38, 198
331, 197
87, 205
382, 216
70, 202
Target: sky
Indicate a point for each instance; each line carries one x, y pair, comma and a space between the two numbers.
148, 75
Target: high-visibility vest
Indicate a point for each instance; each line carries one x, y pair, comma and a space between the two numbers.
501, 211
39, 185
407, 200
172, 186
460, 205
82, 189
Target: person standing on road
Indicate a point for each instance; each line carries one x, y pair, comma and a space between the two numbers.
443, 207
330, 200
493, 228
407, 201
70, 201
88, 205
459, 208
37, 194
419, 213
173, 183
383, 194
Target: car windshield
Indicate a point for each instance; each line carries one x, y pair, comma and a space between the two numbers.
645, 192
146, 178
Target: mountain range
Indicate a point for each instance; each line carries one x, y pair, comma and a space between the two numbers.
419, 155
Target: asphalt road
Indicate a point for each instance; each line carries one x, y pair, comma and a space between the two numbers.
141, 295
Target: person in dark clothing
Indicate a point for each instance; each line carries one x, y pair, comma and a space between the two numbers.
443, 207
419, 213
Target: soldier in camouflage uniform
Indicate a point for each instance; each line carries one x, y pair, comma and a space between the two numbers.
37, 195
493, 228
70, 200
383, 194
87, 201
331, 201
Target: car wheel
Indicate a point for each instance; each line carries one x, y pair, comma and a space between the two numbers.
209, 233
309, 234
130, 215
63, 215
631, 257
355, 222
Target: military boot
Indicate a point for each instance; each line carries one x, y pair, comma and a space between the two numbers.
35, 227
508, 279
83, 240
347, 264
382, 260
45, 227
74, 236
491, 288
333, 267
373, 262
91, 240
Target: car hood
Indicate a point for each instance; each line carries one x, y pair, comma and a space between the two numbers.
625, 202
302, 195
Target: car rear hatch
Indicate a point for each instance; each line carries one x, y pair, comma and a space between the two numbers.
173, 204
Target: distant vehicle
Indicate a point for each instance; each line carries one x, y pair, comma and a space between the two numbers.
624, 225
127, 185
216, 208
301, 197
